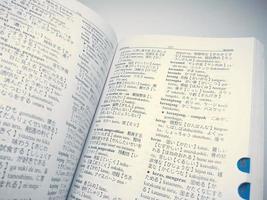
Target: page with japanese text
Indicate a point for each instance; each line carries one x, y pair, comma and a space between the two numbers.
54, 60
173, 122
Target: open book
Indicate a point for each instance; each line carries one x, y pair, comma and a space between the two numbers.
152, 117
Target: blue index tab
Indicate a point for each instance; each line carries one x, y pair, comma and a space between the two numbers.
244, 190
244, 165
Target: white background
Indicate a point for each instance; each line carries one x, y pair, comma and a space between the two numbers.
207, 18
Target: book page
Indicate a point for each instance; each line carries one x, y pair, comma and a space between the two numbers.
172, 123
54, 60
257, 126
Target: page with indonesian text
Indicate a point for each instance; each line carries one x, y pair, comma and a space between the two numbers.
54, 60
174, 122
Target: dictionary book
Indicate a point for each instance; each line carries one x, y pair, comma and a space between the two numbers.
84, 116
